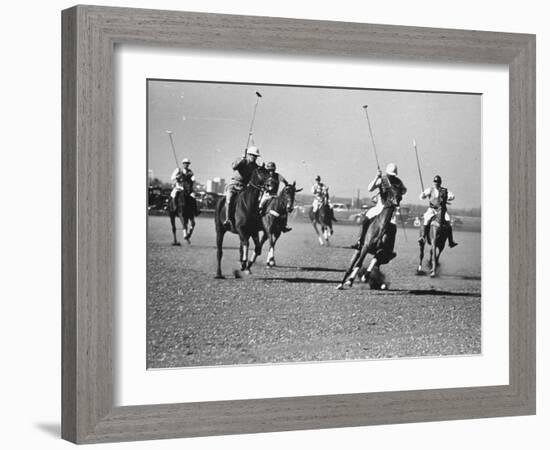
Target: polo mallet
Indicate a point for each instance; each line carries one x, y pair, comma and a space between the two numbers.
258, 97
418, 165
365, 107
173, 147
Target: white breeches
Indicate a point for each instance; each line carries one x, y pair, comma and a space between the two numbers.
177, 189
432, 212
316, 204
266, 196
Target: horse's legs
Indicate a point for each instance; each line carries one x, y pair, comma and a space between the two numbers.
185, 233
173, 223
263, 240
220, 232
326, 233
352, 269
183, 226
438, 251
365, 277
432, 259
319, 237
358, 265
257, 250
421, 244
271, 253
244, 253
191, 221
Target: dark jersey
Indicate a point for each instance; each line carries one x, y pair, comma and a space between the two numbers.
392, 189
273, 182
243, 170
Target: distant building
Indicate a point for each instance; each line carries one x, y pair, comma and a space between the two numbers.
220, 184
216, 185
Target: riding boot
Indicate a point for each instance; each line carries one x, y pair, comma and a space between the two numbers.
424, 235
173, 203
362, 232
452, 242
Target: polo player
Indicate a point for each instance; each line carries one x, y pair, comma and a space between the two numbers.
271, 189
243, 168
389, 186
435, 194
320, 194
183, 180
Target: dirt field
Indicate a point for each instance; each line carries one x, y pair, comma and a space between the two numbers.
294, 313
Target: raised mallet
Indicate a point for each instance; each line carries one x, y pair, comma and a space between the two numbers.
365, 108
173, 147
258, 97
418, 165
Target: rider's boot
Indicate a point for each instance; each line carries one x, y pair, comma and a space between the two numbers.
362, 232
452, 242
173, 203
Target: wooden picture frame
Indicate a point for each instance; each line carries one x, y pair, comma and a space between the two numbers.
89, 37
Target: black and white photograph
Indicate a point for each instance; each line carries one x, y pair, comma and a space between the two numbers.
295, 224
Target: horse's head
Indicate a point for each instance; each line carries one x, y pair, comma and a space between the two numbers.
259, 176
389, 195
443, 201
289, 193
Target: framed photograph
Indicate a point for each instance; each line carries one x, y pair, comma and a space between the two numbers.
277, 224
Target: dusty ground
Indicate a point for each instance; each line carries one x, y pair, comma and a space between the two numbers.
293, 312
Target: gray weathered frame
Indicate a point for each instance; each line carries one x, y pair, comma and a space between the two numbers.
89, 36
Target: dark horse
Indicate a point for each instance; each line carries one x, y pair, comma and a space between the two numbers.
438, 235
275, 217
324, 218
185, 209
379, 242
247, 221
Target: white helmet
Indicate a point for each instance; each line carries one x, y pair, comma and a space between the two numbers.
253, 150
185, 161
391, 169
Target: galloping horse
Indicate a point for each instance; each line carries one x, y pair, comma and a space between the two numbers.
185, 209
438, 235
247, 221
379, 242
274, 219
323, 217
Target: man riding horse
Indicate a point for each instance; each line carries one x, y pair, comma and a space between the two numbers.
320, 194
271, 190
388, 184
243, 168
321, 197
183, 180
435, 194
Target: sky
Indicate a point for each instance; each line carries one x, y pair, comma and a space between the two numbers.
310, 131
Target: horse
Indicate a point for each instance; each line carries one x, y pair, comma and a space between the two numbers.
323, 217
247, 221
437, 237
275, 216
379, 242
185, 209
